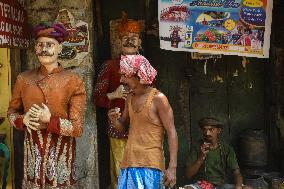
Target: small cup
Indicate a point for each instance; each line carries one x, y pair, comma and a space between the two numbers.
122, 87
117, 110
126, 89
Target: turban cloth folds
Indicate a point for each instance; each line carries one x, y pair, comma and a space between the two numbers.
56, 31
128, 25
138, 64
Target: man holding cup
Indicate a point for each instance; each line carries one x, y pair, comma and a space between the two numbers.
147, 116
110, 93
210, 160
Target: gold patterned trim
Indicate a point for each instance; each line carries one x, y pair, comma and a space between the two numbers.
25, 156
12, 118
66, 127
69, 165
57, 155
37, 161
62, 168
45, 157
31, 157
40, 138
30, 185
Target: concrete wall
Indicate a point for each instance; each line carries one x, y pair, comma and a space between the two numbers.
47, 10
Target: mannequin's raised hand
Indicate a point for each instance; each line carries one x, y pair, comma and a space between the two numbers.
119, 92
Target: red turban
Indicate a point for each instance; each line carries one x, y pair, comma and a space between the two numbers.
56, 31
128, 26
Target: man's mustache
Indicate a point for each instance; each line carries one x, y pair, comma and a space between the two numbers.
207, 137
45, 53
129, 44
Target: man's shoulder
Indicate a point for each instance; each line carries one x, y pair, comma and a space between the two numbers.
28, 74
159, 96
110, 63
227, 147
71, 75
226, 144
161, 103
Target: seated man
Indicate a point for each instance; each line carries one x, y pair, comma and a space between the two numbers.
210, 160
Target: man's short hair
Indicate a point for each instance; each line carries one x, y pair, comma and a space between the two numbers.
210, 121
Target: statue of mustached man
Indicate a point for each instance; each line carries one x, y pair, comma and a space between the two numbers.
48, 104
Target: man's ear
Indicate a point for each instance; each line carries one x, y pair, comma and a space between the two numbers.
139, 42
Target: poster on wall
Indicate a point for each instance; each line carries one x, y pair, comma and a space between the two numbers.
76, 46
231, 27
14, 31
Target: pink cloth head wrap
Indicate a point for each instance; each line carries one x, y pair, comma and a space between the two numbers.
138, 64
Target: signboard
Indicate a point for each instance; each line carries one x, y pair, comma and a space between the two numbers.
13, 25
234, 27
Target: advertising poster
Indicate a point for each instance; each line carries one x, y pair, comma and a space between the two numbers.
232, 27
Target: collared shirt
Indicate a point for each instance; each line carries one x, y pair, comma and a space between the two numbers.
49, 153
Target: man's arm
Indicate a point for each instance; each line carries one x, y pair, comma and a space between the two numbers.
73, 126
15, 110
193, 169
102, 86
166, 116
120, 122
232, 164
238, 179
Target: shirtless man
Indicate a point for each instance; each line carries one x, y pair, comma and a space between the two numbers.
109, 93
148, 114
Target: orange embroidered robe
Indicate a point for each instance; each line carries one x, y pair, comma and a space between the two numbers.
49, 154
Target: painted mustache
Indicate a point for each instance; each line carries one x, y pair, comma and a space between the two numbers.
45, 53
129, 44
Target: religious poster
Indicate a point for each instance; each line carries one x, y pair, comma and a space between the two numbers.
232, 27
76, 46
14, 31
